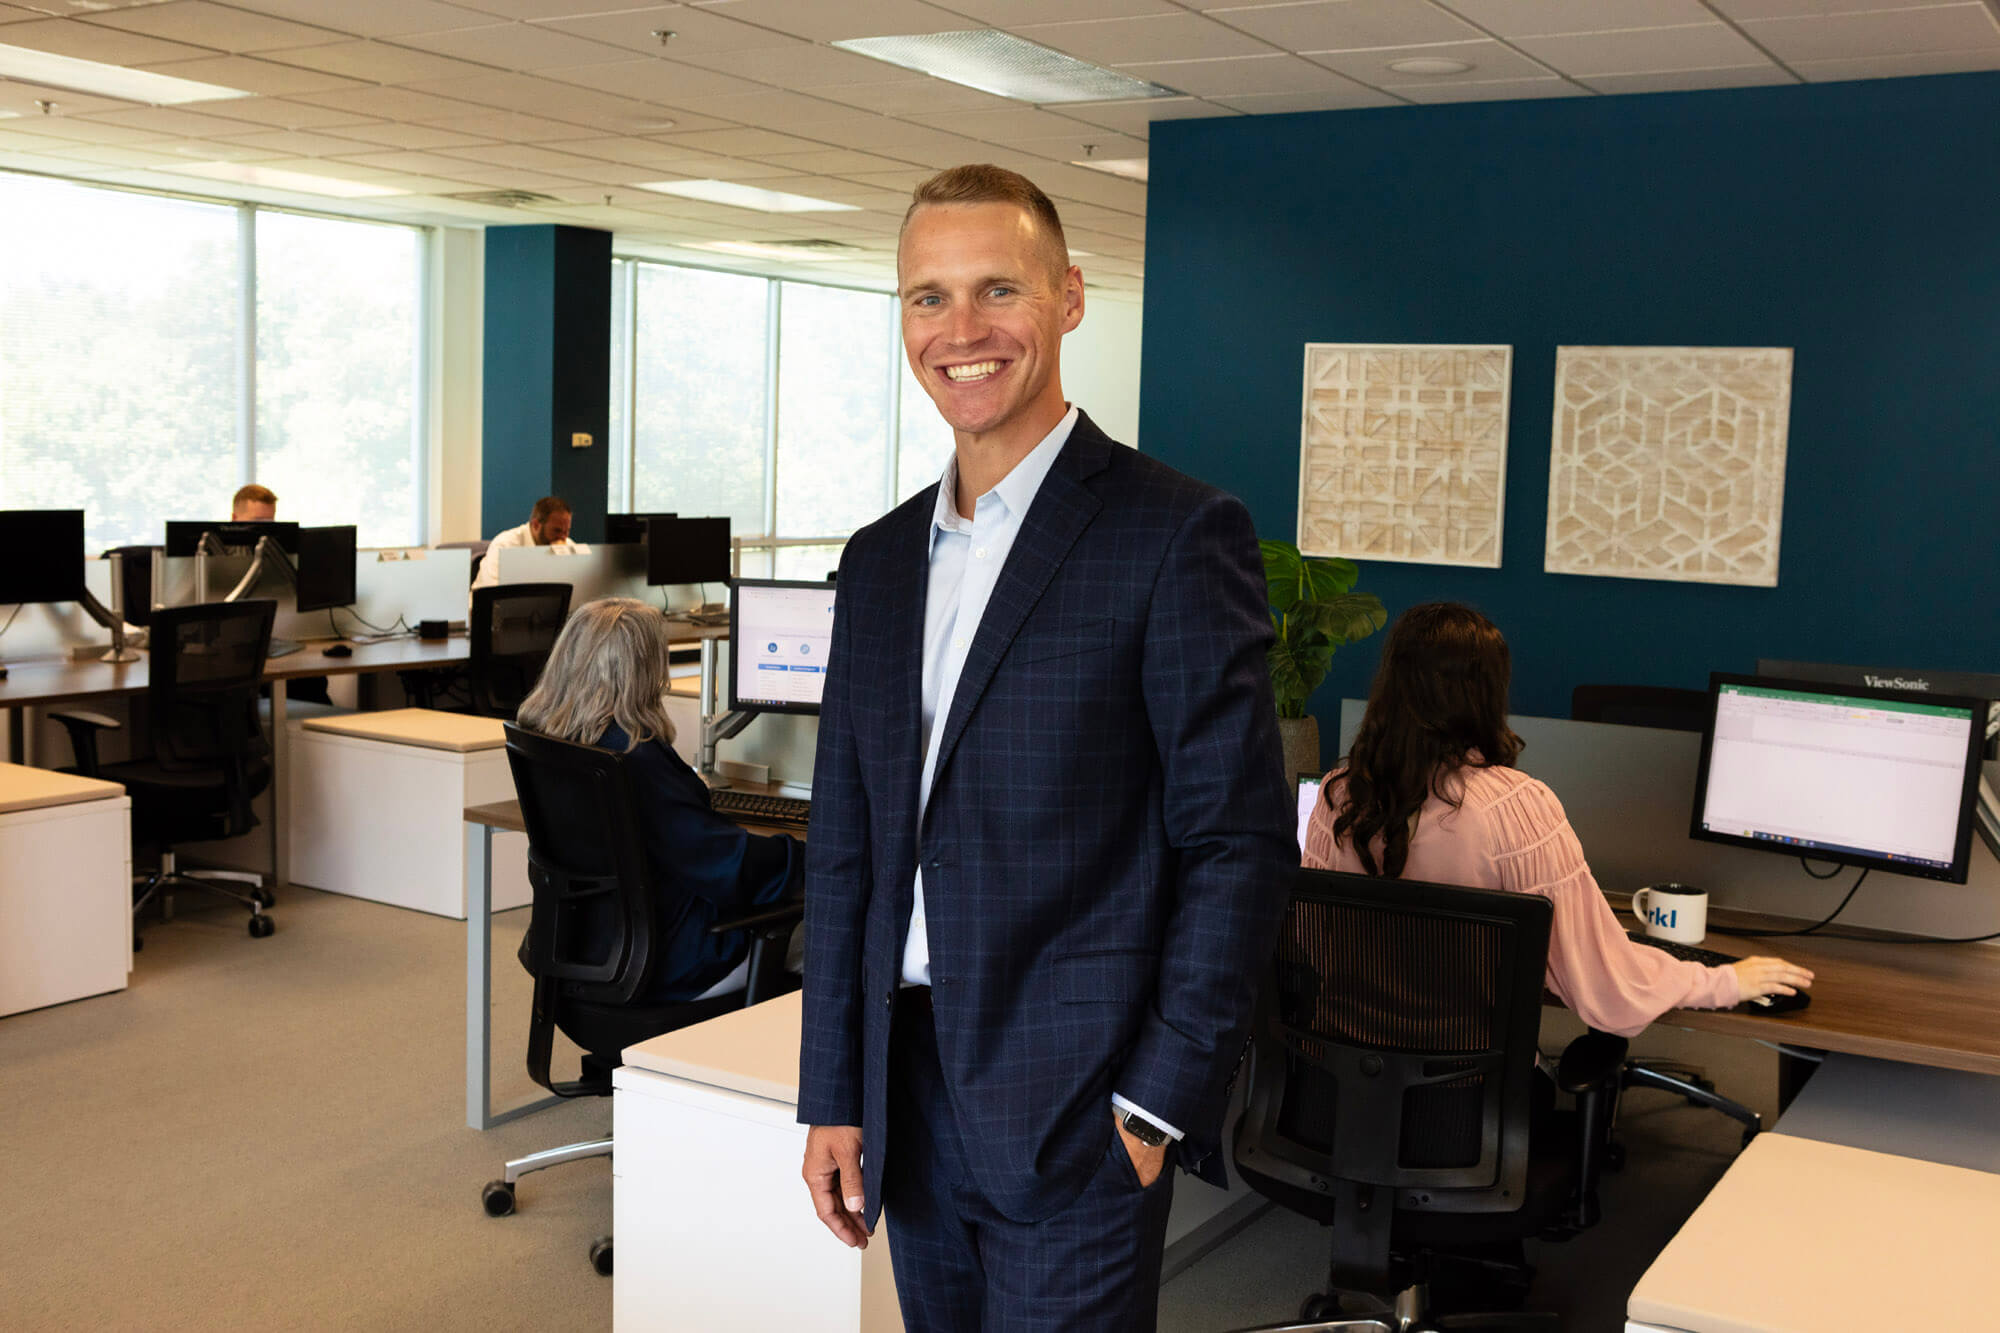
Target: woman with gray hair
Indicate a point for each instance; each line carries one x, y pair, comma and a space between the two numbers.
605, 685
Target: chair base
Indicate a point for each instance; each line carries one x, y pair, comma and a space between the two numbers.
541, 1161
162, 883
1686, 1082
1410, 1314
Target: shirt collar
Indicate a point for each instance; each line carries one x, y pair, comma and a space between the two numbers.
1017, 490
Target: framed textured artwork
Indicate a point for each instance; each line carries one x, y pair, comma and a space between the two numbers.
1403, 452
1669, 463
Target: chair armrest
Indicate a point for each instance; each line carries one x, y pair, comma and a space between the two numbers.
768, 932
767, 923
83, 727
1594, 1060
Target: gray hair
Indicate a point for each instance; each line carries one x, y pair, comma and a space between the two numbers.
609, 665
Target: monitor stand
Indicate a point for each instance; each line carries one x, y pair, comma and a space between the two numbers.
714, 729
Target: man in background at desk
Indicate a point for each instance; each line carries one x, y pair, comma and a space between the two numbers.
1051, 841
254, 504
547, 525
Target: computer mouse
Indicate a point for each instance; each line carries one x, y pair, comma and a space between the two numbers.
1779, 1004
337, 650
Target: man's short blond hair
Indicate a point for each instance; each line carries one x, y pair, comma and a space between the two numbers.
984, 183
253, 494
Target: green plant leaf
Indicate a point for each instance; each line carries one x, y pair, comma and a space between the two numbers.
1328, 576
1283, 567
1343, 618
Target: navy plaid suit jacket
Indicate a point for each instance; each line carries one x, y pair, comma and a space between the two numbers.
1109, 839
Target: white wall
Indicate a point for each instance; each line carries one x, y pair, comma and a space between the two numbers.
458, 290
1100, 366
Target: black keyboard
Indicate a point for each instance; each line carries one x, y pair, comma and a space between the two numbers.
789, 811
1687, 953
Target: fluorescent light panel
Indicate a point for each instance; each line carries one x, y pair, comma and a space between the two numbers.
245, 174
1006, 66
736, 195
1131, 168
91, 76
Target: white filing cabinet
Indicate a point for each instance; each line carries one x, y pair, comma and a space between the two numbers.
378, 807
65, 887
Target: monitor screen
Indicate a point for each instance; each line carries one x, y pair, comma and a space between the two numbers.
1308, 798
628, 529
1967, 684
184, 535
1879, 778
45, 555
779, 635
687, 550
326, 567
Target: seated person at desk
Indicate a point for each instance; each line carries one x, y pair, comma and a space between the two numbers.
603, 686
548, 525
253, 504
1430, 791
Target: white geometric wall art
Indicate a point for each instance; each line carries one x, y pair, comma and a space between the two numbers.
1669, 463
1403, 452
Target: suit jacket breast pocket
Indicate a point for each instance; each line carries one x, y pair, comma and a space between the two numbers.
1053, 640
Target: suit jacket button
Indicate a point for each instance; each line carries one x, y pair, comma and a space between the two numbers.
889, 1000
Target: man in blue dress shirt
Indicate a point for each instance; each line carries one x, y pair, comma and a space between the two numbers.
1051, 839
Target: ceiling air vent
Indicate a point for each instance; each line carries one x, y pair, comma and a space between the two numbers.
504, 198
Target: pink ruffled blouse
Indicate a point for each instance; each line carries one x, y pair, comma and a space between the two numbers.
1510, 833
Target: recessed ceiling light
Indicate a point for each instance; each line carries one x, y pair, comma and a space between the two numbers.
747, 196
1131, 168
90, 76
271, 177
1433, 66
1007, 66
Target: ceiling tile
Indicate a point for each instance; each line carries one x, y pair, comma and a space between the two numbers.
1346, 25
815, 117
831, 160
695, 31
746, 141
221, 27
285, 114
1489, 61
1690, 80
299, 143
513, 127
1347, 97
551, 9
10, 14
87, 41
801, 65
215, 150
850, 18
375, 62
915, 97
516, 46
1132, 41
1498, 90
386, 104
1962, 27
638, 152
116, 157
265, 77
1015, 123
1009, 13
1134, 118
1532, 18
506, 178
1645, 50
665, 81
554, 160
1241, 74
390, 135
167, 121
372, 18
65, 127
610, 173
423, 164
1085, 143
1889, 67
1781, 9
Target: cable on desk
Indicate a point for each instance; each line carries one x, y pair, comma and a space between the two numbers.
401, 624
10, 619
1827, 920
1807, 867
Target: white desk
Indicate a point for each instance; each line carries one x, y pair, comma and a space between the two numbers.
65, 887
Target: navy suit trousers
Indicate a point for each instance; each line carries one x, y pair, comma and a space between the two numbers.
962, 1267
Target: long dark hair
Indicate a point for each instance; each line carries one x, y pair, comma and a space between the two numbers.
1439, 696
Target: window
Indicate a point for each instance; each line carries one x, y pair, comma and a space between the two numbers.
121, 362
784, 404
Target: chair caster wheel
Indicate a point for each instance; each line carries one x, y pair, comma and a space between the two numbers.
261, 926
497, 1198
262, 897
600, 1255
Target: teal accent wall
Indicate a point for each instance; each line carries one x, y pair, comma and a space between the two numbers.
1853, 222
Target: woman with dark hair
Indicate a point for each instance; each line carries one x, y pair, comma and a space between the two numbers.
1430, 791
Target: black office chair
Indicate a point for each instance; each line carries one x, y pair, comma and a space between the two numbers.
1393, 1095
587, 866
513, 628
209, 758
1656, 706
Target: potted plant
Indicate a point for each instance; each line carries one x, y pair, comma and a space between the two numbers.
1314, 611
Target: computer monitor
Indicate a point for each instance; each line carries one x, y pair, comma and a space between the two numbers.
687, 550
44, 561
1884, 779
779, 636
628, 529
1973, 684
326, 567
1308, 798
184, 535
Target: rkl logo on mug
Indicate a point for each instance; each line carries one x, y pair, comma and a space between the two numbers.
1663, 917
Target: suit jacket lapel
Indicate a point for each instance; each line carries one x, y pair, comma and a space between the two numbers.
1063, 508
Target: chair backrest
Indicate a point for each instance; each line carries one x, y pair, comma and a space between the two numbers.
513, 627
1395, 1041
595, 909
1657, 706
205, 663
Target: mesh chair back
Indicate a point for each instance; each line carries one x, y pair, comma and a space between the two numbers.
587, 866
1395, 1043
205, 665
1654, 706
513, 628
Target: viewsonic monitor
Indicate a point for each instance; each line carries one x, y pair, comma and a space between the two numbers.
184, 535
1885, 779
779, 636
628, 529
687, 550
1972, 684
44, 560
326, 567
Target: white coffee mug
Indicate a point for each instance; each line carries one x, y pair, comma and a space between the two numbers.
1677, 912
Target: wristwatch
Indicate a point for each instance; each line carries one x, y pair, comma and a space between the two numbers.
1144, 1130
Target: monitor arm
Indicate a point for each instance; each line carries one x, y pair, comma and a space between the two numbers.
268, 554
103, 615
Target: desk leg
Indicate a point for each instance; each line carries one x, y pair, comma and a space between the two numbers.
1793, 1071
281, 781
479, 987
17, 735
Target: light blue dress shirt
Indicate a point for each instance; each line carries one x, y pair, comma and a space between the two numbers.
966, 558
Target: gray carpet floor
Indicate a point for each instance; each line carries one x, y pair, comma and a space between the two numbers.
269, 1134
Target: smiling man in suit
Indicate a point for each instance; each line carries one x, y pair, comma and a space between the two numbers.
1051, 841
